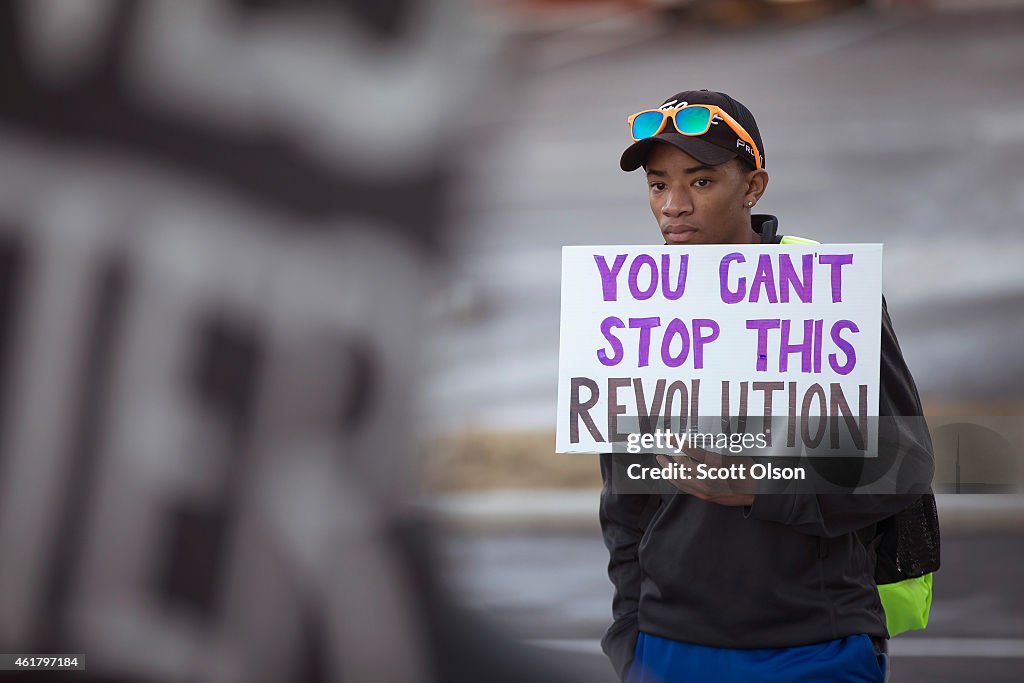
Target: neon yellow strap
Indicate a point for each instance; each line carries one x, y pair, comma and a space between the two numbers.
907, 604
787, 239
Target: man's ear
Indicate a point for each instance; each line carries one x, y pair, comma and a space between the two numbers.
757, 182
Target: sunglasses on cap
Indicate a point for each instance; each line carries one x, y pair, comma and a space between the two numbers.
692, 120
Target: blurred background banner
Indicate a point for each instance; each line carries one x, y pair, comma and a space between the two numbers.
216, 221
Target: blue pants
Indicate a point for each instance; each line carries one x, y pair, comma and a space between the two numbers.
848, 660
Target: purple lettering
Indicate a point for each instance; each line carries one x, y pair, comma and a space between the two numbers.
644, 347
700, 339
844, 346
764, 278
836, 261
608, 275
729, 296
788, 278
634, 272
762, 326
673, 294
818, 334
803, 348
675, 327
606, 329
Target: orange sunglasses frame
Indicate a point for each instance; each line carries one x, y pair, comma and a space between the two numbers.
715, 111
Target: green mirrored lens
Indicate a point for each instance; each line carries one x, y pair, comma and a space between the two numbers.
693, 120
647, 124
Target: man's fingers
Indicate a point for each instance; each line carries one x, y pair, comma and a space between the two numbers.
700, 455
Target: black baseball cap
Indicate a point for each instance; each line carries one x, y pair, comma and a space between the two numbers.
715, 147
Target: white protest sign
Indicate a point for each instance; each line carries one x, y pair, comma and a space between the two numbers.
688, 333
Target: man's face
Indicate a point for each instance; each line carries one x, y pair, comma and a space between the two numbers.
699, 204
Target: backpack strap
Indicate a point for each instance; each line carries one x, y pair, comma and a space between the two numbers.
767, 226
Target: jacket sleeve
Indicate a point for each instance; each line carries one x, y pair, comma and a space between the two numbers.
624, 518
834, 515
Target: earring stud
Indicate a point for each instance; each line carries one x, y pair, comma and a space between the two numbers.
750, 203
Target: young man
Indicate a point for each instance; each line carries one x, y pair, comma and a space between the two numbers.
722, 583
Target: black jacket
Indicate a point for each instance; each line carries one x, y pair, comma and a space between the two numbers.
789, 570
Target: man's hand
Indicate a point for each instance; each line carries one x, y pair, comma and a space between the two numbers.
736, 489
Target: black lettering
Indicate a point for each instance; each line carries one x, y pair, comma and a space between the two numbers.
578, 410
